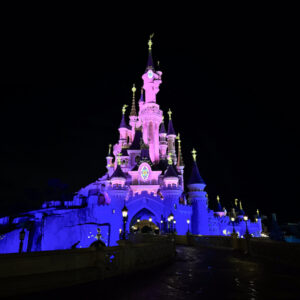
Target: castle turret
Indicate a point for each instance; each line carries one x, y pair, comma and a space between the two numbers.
109, 163
118, 178
123, 128
171, 136
241, 212
171, 176
220, 211
150, 115
197, 195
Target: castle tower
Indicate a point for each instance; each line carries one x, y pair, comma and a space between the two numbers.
171, 136
150, 115
123, 128
198, 197
109, 163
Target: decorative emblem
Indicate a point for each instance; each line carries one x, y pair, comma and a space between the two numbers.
145, 172
150, 74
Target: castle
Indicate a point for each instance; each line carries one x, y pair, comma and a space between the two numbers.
145, 175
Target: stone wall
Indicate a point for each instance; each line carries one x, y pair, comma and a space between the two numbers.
262, 248
37, 271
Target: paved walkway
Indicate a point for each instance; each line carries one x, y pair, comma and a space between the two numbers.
196, 274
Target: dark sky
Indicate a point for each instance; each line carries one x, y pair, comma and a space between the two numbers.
230, 81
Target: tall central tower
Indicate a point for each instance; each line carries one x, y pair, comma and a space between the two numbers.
150, 115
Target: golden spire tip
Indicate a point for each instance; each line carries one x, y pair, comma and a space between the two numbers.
194, 154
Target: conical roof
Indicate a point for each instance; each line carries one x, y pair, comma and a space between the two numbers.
123, 122
171, 128
136, 144
162, 128
150, 64
118, 173
195, 175
171, 172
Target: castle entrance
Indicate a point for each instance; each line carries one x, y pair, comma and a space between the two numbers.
144, 222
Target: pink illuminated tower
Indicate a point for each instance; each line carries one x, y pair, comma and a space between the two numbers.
150, 114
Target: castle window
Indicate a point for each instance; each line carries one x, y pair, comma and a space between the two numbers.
113, 211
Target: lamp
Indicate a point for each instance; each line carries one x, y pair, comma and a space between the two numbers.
232, 220
125, 216
150, 219
246, 220
188, 222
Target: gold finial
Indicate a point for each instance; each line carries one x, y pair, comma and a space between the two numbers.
124, 109
150, 42
170, 114
236, 201
178, 138
241, 205
158, 62
170, 159
119, 159
218, 198
257, 212
133, 89
109, 149
194, 154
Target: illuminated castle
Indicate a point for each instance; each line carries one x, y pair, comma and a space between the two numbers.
145, 173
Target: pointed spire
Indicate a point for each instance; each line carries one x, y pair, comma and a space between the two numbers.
171, 130
150, 65
162, 128
219, 208
241, 211
179, 159
195, 176
109, 150
133, 111
170, 172
123, 122
236, 200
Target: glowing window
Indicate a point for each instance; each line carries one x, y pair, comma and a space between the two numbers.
145, 172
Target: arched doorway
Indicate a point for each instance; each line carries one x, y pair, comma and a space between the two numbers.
144, 222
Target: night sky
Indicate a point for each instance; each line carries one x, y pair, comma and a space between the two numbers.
230, 82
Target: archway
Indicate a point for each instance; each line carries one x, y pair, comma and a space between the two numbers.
144, 221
